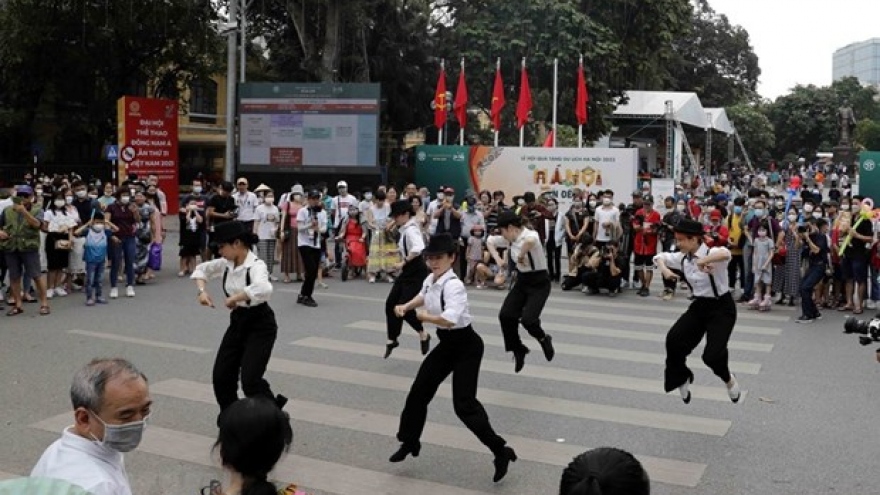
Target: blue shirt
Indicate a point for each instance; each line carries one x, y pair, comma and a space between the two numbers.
95, 249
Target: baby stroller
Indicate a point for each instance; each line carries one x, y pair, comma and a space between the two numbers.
354, 259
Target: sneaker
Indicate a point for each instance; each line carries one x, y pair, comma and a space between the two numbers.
667, 295
372, 279
804, 319
49, 294
624, 284
644, 292
129, 291
76, 287
181, 274
871, 304
273, 278
60, 292
818, 316
114, 293
101, 300
308, 301
90, 302
323, 285
734, 391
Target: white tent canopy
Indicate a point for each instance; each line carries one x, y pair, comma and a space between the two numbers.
719, 120
652, 104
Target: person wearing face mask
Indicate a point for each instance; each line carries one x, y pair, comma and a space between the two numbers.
470, 218
288, 233
712, 312
61, 220
111, 406
433, 206
717, 233
555, 234
787, 276
495, 208
606, 225
20, 226
576, 223
96, 238
854, 263
123, 250
736, 240
86, 206
267, 217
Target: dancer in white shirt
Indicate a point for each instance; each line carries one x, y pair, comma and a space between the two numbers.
248, 341
712, 312
459, 353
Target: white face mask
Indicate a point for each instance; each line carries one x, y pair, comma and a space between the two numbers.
68, 199
440, 196
122, 438
368, 196
521, 202
197, 189
792, 218
808, 208
817, 214
81, 193
269, 200
606, 201
98, 227
593, 203
855, 207
679, 207
59, 203
93, 196
124, 199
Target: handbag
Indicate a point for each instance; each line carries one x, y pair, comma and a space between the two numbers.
154, 261
63, 244
779, 257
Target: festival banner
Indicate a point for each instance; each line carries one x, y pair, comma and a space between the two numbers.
557, 171
148, 142
869, 175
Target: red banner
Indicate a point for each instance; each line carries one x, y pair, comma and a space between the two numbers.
148, 142
524, 105
440, 100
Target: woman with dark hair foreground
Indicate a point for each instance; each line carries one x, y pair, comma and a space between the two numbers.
605, 471
254, 434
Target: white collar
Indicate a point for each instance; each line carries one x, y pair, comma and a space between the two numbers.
89, 447
449, 274
247, 263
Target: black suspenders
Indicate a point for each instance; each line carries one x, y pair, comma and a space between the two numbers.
711, 277
247, 281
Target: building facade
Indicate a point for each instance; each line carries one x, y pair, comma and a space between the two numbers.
860, 60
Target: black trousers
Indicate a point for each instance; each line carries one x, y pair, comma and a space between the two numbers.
245, 350
707, 316
459, 353
403, 290
554, 259
311, 261
736, 266
599, 279
524, 304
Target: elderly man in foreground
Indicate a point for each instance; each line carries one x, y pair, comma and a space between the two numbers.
111, 404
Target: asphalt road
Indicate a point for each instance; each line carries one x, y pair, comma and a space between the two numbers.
804, 426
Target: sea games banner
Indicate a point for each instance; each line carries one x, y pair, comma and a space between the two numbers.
148, 142
540, 170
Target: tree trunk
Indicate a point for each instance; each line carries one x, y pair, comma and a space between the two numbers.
330, 53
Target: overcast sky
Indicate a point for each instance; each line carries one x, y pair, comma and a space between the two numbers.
795, 39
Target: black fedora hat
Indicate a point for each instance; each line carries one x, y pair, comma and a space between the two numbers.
507, 218
228, 232
688, 227
440, 244
400, 207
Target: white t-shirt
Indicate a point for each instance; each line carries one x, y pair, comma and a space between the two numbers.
268, 217
82, 462
604, 215
247, 204
306, 235
340, 206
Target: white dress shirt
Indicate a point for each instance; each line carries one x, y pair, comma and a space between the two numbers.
432, 208
306, 235
453, 305
700, 281
259, 290
83, 462
535, 260
411, 240
247, 204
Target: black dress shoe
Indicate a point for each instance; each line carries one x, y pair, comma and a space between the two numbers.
280, 401
502, 461
519, 359
404, 450
547, 347
684, 390
299, 299
308, 301
425, 345
390, 347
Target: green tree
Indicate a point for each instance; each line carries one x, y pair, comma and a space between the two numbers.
64, 64
625, 45
715, 60
868, 134
755, 131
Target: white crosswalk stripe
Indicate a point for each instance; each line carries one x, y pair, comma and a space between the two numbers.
631, 333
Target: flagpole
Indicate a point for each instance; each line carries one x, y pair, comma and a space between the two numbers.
440, 129
522, 129
555, 94
580, 126
461, 130
497, 68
